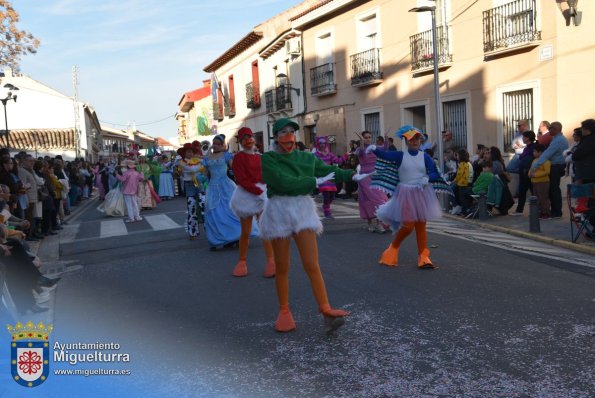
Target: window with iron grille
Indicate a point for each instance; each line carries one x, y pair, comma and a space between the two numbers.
455, 120
269, 101
372, 124
516, 105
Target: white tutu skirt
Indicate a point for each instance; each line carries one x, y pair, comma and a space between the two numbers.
410, 203
245, 204
284, 216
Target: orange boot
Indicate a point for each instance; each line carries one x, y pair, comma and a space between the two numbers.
269, 269
390, 256
241, 269
333, 319
423, 260
284, 322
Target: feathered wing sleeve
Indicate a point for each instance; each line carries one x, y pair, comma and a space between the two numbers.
436, 180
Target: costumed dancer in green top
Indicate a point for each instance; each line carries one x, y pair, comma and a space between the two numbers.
145, 196
290, 212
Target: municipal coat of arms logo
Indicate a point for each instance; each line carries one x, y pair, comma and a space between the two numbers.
30, 353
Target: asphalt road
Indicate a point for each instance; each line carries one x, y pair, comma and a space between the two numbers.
489, 322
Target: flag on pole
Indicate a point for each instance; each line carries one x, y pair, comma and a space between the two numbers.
214, 86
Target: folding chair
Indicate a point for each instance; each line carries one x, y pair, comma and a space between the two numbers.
475, 212
581, 203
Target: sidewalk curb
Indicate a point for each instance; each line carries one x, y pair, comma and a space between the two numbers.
49, 247
74, 214
529, 235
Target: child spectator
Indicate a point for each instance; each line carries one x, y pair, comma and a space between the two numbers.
540, 178
130, 179
463, 180
484, 180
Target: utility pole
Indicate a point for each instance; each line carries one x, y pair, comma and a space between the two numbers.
77, 121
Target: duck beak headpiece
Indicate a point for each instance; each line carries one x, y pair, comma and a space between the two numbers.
246, 138
287, 142
408, 132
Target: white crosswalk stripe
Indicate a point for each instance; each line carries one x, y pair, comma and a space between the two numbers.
160, 222
112, 228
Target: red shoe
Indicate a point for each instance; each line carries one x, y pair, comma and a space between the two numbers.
284, 322
269, 269
241, 269
389, 257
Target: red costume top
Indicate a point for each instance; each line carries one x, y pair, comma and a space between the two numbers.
247, 171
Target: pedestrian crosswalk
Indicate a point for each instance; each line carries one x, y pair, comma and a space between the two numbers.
117, 227
343, 210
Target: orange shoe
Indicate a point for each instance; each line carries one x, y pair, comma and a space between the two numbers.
328, 311
423, 260
389, 257
333, 319
284, 322
241, 269
269, 269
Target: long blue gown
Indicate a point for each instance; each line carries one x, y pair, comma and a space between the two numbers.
221, 223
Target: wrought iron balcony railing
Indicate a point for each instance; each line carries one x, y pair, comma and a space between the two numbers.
283, 97
365, 67
422, 49
252, 96
322, 79
269, 99
510, 25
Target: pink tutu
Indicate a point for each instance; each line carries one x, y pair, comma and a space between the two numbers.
410, 203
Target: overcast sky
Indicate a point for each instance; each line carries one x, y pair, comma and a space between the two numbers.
136, 58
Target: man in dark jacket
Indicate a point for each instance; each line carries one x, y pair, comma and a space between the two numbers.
584, 154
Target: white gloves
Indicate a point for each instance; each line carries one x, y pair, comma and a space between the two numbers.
358, 169
358, 177
423, 182
322, 180
370, 148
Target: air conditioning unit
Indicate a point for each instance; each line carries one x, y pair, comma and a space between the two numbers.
293, 46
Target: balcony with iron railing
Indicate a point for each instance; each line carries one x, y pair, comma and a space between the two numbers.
322, 80
365, 68
252, 96
422, 50
510, 27
269, 99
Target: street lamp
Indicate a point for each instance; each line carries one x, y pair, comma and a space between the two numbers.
9, 96
432, 10
282, 86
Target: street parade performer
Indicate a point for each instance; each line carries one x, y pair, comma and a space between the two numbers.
414, 200
329, 188
369, 199
221, 224
248, 199
290, 177
191, 169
